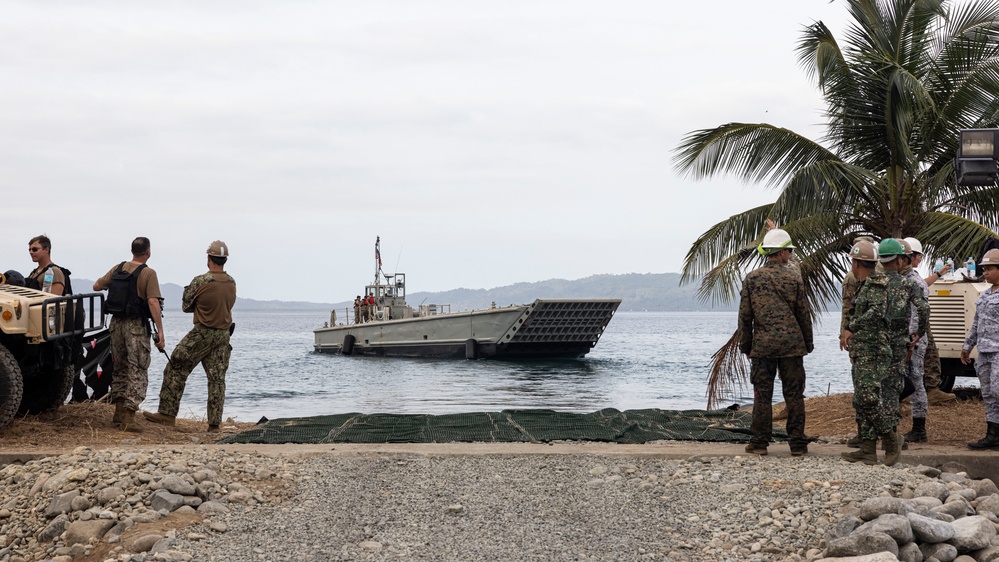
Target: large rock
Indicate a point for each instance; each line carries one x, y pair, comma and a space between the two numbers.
144, 543
943, 552
957, 509
983, 487
891, 524
62, 503
82, 532
164, 500
55, 528
932, 489
872, 508
928, 530
910, 553
858, 544
990, 504
989, 554
877, 557
109, 494
175, 484
972, 533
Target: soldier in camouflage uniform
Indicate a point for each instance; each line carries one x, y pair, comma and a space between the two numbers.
915, 371
210, 297
866, 336
931, 359
984, 333
775, 328
903, 297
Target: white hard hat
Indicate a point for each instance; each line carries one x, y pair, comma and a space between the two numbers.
917, 247
775, 240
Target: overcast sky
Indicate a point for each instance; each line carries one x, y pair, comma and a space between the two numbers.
487, 143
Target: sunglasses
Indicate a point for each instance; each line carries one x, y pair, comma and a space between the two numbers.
35, 249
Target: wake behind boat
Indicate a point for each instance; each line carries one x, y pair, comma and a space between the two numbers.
546, 328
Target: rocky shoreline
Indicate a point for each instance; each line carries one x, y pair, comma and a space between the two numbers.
209, 503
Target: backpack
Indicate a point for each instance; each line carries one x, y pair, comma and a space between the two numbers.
123, 296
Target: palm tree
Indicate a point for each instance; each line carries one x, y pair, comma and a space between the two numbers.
906, 78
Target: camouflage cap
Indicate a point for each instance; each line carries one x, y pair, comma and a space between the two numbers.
218, 249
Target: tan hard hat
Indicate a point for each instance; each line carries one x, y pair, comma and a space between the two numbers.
990, 258
864, 251
905, 246
218, 249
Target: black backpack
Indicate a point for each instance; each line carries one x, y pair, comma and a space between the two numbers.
123, 296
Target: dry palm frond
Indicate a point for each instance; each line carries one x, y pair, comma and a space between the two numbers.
729, 373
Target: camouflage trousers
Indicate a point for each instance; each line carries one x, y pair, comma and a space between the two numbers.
987, 367
792, 378
869, 385
208, 346
130, 352
915, 374
931, 363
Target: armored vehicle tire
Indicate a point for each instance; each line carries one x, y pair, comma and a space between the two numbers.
11, 387
47, 391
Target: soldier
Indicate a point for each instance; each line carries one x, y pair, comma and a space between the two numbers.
357, 309
984, 333
133, 299
931, 359
210, 297
914, 371
903, 297
40, 250
775, 328
866, 336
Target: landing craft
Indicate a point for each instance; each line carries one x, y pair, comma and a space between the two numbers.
546, 328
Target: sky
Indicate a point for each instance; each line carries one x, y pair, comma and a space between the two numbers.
486, 143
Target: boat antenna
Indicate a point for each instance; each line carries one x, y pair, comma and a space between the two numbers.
399, 259
378, 257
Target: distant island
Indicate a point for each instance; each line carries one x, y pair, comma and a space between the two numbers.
637, 291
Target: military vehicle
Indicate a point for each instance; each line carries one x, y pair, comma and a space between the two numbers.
546, 328
952, 303
39, 341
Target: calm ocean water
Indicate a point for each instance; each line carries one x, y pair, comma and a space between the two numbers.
643, 360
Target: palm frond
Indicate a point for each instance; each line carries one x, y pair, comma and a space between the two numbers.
729, 372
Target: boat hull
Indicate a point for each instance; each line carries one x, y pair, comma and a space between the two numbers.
547, 328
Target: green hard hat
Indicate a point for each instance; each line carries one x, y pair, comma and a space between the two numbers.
889, 249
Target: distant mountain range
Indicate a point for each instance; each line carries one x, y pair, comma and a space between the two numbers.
637, 291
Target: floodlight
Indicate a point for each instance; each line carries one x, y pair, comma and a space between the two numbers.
977, 162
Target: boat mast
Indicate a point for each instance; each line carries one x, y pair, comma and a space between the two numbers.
378, 257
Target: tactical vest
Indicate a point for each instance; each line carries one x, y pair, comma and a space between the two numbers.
123, 295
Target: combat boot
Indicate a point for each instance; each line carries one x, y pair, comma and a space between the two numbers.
159, 418
129, 423
918, 433
991, 439
893, 447
119, 408
867, 453
937, 396
855, 441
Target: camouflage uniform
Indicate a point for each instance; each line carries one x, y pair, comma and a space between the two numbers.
850, 287
776, 333
871, 355
903, 295
932, 375
915, 370
203, 344
984, 333
130, 349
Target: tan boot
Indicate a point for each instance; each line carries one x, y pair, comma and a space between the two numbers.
937, 396
867, 454
119, 408
129, 423
160, 418
893, 447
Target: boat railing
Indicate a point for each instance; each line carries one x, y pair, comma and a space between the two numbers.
434, 309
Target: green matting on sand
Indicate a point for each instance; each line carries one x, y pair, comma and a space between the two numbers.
509, 426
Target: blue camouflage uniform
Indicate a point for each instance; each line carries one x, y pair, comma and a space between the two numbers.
984, 333
916, 368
